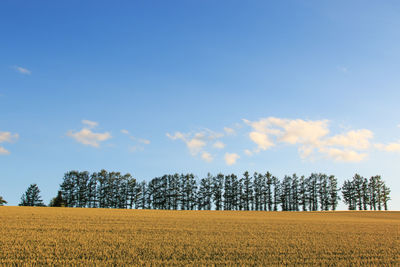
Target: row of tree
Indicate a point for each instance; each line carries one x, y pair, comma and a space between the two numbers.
221, 192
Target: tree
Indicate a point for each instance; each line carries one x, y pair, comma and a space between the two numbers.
57, 201
259, 192
349, 196
385, 196
32, 197
357, 186
247, 191
333, 192
217, 190
295, 193
2, 201
277, 191
303, 193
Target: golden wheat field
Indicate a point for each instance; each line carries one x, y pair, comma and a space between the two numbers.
72, 236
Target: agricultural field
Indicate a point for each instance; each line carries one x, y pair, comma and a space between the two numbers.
76, 236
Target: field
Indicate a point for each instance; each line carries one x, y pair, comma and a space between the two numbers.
72, 236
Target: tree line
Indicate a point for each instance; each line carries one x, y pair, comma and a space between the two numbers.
261, 192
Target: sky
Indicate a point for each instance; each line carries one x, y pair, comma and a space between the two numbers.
159, 87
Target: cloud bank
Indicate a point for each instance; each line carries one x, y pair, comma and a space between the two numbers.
312, 138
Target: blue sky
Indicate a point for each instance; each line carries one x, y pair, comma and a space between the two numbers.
155, 87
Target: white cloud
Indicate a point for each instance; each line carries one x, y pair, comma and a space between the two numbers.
231, 158
219, 145
195, 145
87, 137
22, 70
391, 147
261, 139
196, 142
343, 155
144, 141
4, 151
353, 139
248, 152
306, 151
137, 140
177, 135
124, 131
300, 131
229, 131
311, 136
90, 124
398, 125
207, 156
8, 137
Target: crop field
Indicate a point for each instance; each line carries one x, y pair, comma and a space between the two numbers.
87, 237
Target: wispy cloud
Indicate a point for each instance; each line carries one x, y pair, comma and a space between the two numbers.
229, 131
22, 70
196, 142
139, 141
248, 152
90, 124
219, 145
4, 151
87, 137
391, 147
231, 158
7, 137
206, 156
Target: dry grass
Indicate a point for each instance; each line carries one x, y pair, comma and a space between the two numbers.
72, 236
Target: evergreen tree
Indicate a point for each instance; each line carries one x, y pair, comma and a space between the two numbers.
295, 193
269, 180
312, 188
372, 190
57, 201
385, 196
2, 201
286, 196
217, 191
67, 188
32, 197
261, 192
205, 193
228, 193
365, 193
257, 185
303, 194
277, 192
333, 192
349, 196
323, 191
92, 191
357, 186
247, 191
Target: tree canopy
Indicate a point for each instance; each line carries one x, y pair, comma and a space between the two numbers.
263, 192
32, 197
